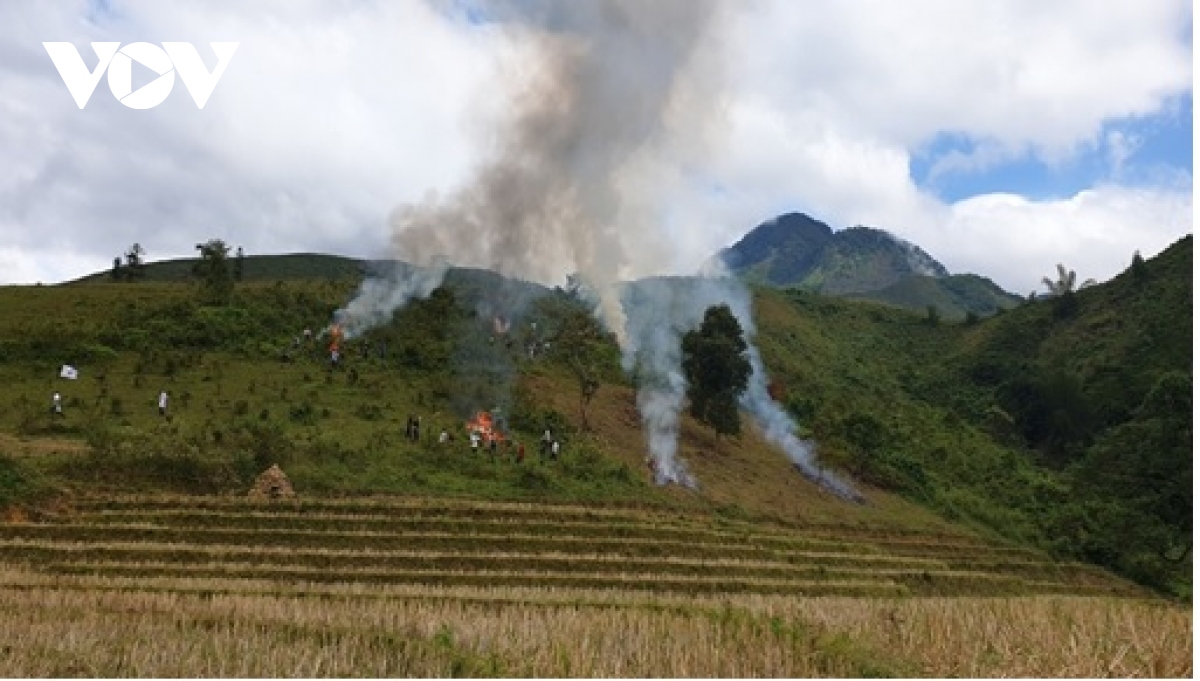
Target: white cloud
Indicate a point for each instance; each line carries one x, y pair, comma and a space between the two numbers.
326, 118
331, 114
1094, 232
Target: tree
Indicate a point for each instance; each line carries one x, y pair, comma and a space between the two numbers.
135, 263
1138, 268
717, 370
1065, 283
238, 264
1140, 474
216, 281
586, 348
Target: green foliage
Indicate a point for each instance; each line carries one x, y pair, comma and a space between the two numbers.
581, 344
134, 267
1138, 268
717, 369
19, 483
213, 272
1034, 425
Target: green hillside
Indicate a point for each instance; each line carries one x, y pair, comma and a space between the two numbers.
1031, 429
255, 268
954, 296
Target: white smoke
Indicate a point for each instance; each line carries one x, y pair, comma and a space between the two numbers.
659, 312
379, 297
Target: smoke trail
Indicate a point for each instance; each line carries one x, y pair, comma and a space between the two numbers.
660, 311
569, 178
379, 296
779, 428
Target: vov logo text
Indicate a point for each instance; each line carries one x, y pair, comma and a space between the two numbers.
166, 61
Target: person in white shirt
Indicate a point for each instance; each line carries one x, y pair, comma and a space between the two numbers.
57, 406
162, 403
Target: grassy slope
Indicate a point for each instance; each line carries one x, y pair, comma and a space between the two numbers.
747, 474
886, 395
953, 296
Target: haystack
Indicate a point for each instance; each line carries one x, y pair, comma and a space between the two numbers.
272, 484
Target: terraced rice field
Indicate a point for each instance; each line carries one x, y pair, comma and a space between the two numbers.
167, 586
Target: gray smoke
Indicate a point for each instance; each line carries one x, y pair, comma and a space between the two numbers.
566, 183
379, 296
660, 311
613, 92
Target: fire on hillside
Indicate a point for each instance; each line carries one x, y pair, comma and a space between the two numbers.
485, 427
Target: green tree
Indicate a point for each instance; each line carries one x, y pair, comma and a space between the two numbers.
1138, 268
717, 370
1140, 473
216, 280
135, 263
585, 346
580, 342
1065, 282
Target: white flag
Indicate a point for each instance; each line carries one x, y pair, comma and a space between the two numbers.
68, 371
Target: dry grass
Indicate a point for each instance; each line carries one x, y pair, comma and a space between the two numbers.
180, 586
1050, 636
70, 633
86, 626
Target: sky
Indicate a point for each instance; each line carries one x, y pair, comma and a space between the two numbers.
1002, 136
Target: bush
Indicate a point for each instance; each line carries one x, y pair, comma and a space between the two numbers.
304, 414
18, 483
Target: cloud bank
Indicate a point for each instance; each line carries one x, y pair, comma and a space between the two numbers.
331, 115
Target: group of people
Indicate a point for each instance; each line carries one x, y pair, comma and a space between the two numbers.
56, 404
549, 446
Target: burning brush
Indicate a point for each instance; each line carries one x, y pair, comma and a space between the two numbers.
485, 427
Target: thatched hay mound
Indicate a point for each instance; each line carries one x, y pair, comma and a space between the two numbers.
272, 484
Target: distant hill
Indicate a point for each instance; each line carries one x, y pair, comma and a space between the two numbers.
795, 250
952, 296
288, 267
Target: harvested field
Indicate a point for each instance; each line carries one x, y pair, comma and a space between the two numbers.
177, 586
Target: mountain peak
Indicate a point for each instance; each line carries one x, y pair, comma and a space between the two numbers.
795, 249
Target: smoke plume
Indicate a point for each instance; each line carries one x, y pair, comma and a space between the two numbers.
572, 172
612, 101
660, 311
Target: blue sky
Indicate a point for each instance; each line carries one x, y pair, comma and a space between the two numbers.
1160, 148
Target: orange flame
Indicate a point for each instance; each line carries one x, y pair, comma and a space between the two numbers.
482, 424
335, 337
